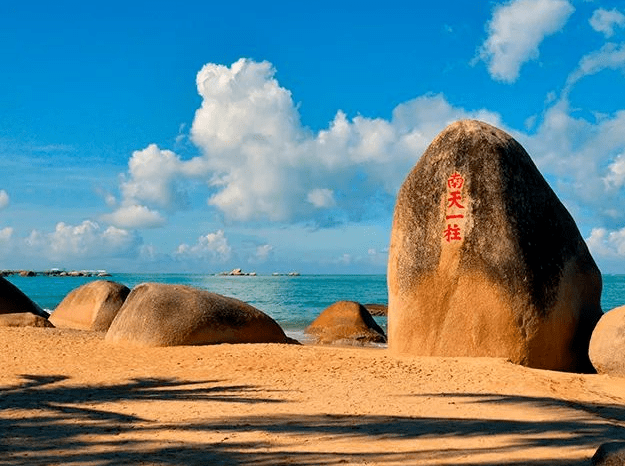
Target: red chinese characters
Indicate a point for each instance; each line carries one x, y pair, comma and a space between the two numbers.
454, 200
454, 208
452, 233
455, 181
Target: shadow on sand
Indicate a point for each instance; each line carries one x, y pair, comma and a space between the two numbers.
71, 421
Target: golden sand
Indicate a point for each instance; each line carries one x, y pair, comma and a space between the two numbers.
68, 397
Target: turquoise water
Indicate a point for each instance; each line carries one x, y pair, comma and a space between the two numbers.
294, 302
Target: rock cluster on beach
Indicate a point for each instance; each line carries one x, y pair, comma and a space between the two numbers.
485, 260
155, 314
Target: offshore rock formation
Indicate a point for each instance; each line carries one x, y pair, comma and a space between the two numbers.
485, 260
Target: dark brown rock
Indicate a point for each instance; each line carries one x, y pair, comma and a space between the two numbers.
378, 310
24, 319
12, 300
156, 314
607, 344
610, 454
92, 306
486, 261
346, 322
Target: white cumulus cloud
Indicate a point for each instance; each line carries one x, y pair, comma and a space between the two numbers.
4, 199
516, 31
263, 253
605, 21
134, 216
259, 162
156, 179
6, 234
85, 240
86, 245
212, 246
586, 161
604, 243
264, 164
321, 197
615, 177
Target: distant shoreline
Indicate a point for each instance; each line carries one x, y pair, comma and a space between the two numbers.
55, 273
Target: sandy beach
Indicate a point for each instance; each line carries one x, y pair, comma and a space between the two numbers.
68, 397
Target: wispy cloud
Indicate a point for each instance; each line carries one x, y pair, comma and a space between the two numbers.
611, 56
516, 31
606, 21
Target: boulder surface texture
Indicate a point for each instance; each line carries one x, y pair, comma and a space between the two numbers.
607, 344
346, 322
156, 314
24, 319
92, 306
609, 454
485, 260
13, 300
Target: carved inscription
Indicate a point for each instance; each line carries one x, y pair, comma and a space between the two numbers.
455, 209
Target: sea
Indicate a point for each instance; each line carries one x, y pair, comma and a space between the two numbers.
293, 301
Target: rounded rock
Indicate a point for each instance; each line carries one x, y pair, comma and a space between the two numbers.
156, 314
607, 344
92, 306
346, 322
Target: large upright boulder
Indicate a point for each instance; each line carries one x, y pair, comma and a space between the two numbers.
92, 306
346, 322
485, 260
13, 300
156, 314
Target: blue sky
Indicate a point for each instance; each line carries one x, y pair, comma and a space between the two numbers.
192, 136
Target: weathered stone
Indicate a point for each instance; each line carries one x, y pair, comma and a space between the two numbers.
346, 322
92, 306
24, 319
378, 310
610, 454
485, 260
156, 314
12, 300
607, 344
